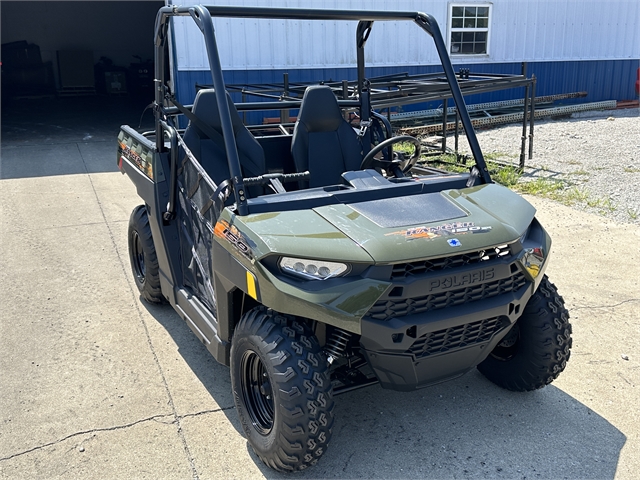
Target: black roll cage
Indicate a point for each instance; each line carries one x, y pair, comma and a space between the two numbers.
202, 15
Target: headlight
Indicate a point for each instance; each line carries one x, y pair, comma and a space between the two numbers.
533, 260
312, 269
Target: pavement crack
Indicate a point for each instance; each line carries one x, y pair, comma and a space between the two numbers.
346, 464
607, 306
58, 227
86, 432
204, 412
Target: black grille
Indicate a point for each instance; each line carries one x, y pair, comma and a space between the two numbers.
386, 309
455, 337
402, 270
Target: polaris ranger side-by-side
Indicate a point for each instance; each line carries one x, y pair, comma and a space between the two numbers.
313, 259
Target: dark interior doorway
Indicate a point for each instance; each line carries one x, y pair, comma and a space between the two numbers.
75, 71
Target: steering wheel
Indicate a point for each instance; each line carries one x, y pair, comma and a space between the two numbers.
404, 164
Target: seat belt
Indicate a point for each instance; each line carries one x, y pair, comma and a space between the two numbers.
208, 130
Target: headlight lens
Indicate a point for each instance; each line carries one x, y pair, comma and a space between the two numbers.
533, 260
312, 269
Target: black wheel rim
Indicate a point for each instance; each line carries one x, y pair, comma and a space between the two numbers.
509, 345
137, 257
257, 392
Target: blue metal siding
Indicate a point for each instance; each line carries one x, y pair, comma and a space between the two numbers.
603, 80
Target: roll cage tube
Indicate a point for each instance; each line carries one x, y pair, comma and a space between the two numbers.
202, 18
429, 25
202, 15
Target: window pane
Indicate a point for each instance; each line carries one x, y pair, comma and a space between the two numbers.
463, 19
480, 47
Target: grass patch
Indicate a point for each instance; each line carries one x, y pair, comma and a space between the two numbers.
543, 187
631, 169
560, 190
495, 156
565, 193
574, 195
404, 147
604, 205
509, 176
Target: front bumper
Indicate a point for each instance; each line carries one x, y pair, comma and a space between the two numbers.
442, 318
424, 349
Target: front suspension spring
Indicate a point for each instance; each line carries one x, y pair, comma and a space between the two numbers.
336, 344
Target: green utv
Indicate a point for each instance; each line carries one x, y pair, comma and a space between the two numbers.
314, 260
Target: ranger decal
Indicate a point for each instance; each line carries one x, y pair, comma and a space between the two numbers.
127, 153
454, 228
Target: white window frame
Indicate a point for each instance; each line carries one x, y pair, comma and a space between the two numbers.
451, 30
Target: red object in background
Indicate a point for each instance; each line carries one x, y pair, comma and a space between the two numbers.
638, 82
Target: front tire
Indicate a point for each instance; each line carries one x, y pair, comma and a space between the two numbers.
143, 258
537, 348
282, 389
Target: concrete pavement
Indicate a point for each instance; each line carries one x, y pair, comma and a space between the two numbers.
98, 384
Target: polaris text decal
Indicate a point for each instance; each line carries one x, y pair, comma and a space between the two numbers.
462, 280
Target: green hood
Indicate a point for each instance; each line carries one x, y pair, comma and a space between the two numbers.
488, 215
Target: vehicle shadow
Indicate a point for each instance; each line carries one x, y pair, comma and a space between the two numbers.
213, 376
467, 427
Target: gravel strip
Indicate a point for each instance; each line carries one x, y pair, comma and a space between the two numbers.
596, 153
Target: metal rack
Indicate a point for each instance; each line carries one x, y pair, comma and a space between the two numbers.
397, 90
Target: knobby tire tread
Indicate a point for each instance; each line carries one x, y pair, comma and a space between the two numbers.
545, 336
304, 416
150, 289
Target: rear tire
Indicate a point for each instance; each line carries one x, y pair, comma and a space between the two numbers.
537, 348
143, 258
282, 389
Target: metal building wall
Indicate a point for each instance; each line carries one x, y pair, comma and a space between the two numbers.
520, 30
570, 45
602, 80
567, 30
269, 44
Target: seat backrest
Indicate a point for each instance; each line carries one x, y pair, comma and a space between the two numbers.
323, 141
211, 153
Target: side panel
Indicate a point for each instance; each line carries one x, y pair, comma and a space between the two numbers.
139, 161
165, 239
136, 159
